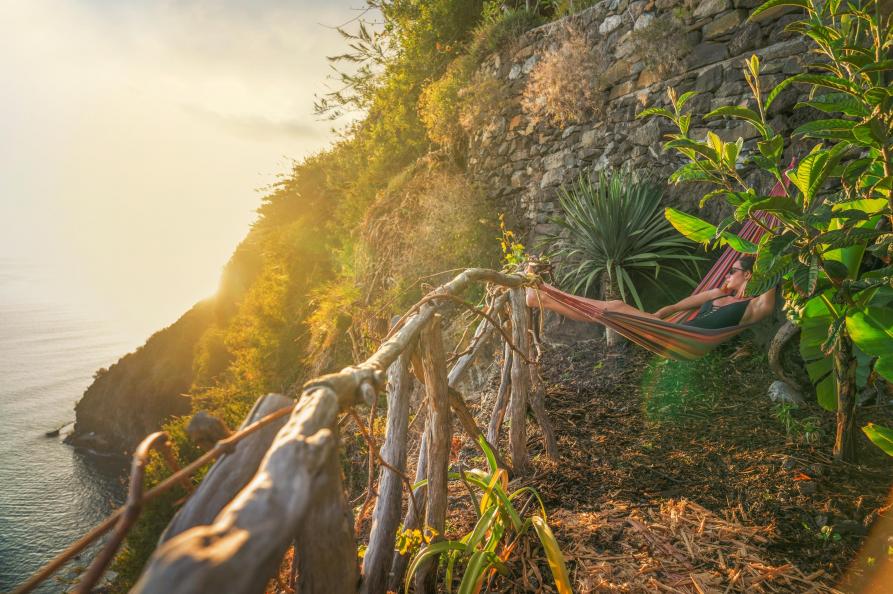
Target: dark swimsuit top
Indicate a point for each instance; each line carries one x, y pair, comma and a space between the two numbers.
724, 316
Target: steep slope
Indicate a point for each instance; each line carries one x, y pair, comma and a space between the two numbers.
139, 392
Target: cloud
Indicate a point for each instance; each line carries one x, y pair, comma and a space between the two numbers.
259, 127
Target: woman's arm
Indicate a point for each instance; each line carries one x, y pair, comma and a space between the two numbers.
690, 302
760, 307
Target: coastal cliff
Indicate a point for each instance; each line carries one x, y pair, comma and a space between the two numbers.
144, 388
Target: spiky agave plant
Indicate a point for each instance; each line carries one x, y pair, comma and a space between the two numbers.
613, 236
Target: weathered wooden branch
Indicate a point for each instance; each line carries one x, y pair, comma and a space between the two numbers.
537, 399
325, 543
482, 334
412, 519
439, 441
242, 549
502, 397
231, 472
520, 383
386, 517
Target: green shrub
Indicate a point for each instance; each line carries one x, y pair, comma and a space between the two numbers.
457, 102
613, 236
500, 525
500, 28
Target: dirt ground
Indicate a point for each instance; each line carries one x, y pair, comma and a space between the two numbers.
639, 435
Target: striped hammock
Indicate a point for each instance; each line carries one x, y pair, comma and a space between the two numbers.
672, 338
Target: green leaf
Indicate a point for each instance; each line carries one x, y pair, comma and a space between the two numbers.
655, 111
880, 436
872, 331
474, 573
805, 278
777, 204
709, 196
871, 133
701, 231
815, 321
777, 91
836, 103
828, 81
804, 4
877, 95
881, 66
553, 555
683, 99
835, 270
690, 226
740, 113
806, 173
430, 550
690, 147
833, 128
696, 171
826, 392
491, 459
772, 149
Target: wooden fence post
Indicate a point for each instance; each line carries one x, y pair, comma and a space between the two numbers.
386, 517
412, 519
520, 382
244, 546
231, 472
325, 543
538, 402
502, 397
439, 441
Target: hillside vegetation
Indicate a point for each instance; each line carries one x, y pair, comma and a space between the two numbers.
350, 237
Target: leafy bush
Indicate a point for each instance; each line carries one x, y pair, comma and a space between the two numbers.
456, 103
500, 28
496, 534
838, 201
613, 230
563, 86
429, 221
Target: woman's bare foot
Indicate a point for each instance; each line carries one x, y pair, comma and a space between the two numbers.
535, 298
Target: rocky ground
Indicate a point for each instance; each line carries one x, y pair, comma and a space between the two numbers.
648, 444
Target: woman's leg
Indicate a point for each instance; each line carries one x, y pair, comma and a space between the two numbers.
537, 298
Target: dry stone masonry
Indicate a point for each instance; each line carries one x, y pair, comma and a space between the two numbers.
522, 162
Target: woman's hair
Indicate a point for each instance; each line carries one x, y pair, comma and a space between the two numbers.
746, 263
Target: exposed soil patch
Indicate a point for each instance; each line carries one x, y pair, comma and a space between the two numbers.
636, 432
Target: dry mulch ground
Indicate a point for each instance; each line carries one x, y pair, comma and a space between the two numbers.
680, 477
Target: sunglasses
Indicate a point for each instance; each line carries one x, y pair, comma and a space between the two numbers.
733, 270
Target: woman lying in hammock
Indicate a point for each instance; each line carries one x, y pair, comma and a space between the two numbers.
719, 308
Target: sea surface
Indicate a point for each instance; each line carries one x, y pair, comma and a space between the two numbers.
50, 493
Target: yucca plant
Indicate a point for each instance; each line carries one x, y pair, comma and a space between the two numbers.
613, 238
496, 535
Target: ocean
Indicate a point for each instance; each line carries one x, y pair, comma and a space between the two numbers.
50, 493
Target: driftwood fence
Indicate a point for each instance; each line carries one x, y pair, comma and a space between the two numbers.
278, 482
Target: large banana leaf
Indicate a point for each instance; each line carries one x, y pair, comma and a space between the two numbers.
815, 321
872, 331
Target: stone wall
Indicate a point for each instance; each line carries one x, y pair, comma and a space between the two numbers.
522, 162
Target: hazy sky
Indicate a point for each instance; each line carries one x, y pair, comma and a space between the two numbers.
134, 136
